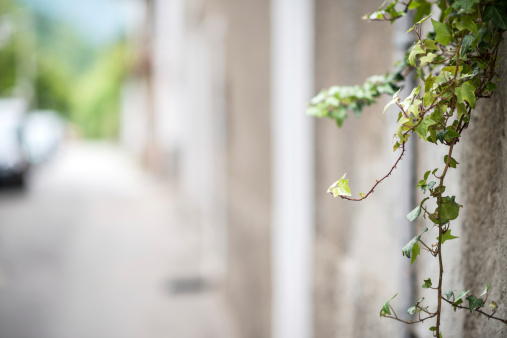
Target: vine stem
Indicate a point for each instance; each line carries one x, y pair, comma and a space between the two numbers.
479, 311
440, 234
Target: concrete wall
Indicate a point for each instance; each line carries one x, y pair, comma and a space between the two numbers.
483, 178
356, 258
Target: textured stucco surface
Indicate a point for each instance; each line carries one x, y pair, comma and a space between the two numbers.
483, 179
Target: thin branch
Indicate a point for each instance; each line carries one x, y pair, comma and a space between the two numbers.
479, 311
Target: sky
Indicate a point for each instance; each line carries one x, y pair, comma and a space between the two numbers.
98, 20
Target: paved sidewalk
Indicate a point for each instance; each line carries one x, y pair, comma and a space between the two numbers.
97, 249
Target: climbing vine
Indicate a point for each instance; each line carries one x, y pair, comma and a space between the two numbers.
455, 64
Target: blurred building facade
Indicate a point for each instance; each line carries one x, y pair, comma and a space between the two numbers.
218, 108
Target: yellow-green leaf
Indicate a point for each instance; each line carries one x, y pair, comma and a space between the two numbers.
422, 128
466, 93
427, 59
340, 187
415, 51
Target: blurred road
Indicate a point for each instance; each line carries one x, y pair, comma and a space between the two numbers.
92, 249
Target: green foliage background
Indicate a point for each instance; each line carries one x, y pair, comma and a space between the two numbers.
74, 77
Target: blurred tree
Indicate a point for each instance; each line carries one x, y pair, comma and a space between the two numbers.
71, 75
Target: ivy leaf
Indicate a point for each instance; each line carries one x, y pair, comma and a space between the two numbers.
385, 309
428, 186
466, 93
447, 236
465, 5
493, 305
340, 187
452, 163
441, 135
466, 44
430, 44
450, 134
448, 294
416, 251
413, 309
427, 283
459, 296
449, 209
422, 128
444, 33
414, 52
486, 290
407, 249
474, 303
395, 97
427, 59
490, 86
461, 109
412, 216
466, 22
496, 13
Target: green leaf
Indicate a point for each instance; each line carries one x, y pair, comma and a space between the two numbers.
393, 101
414, 52
430, 44
466, 22
496, 13
466, 44
433, 328
450, 134
361, 194
466, 93
441, 135
449, 209
490, 86
427, 59
448, 294
412, 216
385, 309
493, 305
413, 309
452, 163
462, 110
474, 303
407, 249
460, 295
416, 251
422, 128
340, 187
444, 33
464, 5
427, 283
428, 186
423, 19
447, 236
486, 290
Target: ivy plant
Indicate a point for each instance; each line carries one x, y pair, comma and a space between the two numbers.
455, 64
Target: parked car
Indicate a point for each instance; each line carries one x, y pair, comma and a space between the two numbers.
14, 163
43, 131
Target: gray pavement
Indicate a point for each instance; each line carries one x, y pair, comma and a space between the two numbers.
91, 250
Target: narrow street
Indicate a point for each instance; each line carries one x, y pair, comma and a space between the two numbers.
92, 249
